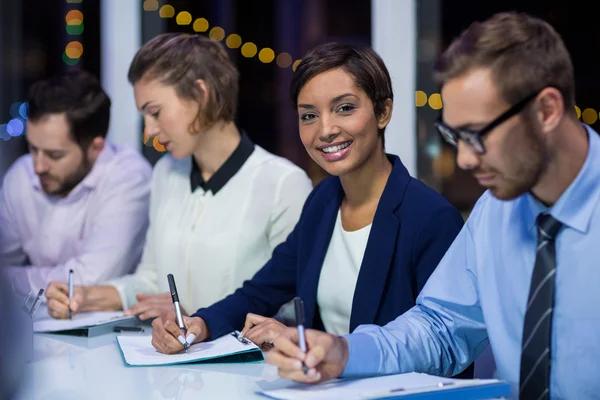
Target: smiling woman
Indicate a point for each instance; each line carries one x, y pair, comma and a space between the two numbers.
369, 236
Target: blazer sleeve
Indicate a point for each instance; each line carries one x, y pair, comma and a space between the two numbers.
271, 287
433, 240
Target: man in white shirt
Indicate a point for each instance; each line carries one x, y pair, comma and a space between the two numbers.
75, 201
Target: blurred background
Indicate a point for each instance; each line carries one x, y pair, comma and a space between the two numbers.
266, 39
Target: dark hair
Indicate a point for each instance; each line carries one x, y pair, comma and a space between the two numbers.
179, 60
525, 55
364, 64
78, 95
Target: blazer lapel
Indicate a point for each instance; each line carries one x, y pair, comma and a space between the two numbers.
381, 247
307, 288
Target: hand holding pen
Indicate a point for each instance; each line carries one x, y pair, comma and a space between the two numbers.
167, 336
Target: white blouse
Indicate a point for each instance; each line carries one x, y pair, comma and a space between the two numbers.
212, 243
339, 275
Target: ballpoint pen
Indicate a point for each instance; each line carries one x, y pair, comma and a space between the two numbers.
175, 298
70, 292
299, 311
36, 302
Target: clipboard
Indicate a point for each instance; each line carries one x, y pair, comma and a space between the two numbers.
85, 324
138, 351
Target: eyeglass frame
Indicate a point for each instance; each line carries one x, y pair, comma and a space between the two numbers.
474, 137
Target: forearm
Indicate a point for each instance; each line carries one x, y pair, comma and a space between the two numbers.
101, 298
421, 340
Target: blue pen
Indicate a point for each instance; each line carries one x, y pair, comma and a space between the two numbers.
299, 311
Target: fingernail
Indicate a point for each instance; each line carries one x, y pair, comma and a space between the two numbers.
310, 361
74, 306
312, 373
190, 338
297, 365
181, 339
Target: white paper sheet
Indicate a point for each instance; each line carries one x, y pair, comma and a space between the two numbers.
82, 320
138, 350
371, 388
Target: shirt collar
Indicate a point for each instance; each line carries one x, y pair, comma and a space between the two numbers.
575, 207
92, 179
231, 166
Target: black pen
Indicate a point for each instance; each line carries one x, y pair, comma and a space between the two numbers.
175, 298
299, 311
128, 329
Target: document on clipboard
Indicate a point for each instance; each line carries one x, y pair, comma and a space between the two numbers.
84, 324
138, 351
401, 386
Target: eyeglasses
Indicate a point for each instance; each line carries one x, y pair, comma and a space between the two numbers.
474, 138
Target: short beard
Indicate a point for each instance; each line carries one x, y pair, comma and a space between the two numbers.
531, 164
74, 179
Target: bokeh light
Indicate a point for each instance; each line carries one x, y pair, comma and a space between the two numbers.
420, 98
166, 11
266, 55
217, 33
15, 127
295, 64
249, 49
24, 110
157, 146
284, 60
435, 101
74, 29
74, 49
589, 116
74, 17
200, 25
233, 41
150, 5
184, 18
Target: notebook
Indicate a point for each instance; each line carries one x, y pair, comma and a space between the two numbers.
138, 351
85, 324
411, 386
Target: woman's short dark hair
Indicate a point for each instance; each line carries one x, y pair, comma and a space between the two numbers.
179, 60
78, 95
364, 64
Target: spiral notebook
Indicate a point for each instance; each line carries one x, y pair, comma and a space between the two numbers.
138, 351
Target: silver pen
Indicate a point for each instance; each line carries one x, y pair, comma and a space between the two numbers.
36, 303
299, 311
175, 298
70, 292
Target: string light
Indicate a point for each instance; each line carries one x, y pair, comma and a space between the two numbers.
284, 60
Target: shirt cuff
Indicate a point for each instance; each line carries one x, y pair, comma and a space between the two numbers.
120, 287
363, 356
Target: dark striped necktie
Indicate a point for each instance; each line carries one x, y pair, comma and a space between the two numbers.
537, 329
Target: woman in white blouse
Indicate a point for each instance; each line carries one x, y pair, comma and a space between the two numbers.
219, 203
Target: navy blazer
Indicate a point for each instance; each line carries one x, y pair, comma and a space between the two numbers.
412, 229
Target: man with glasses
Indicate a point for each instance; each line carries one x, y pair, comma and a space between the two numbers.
523, 273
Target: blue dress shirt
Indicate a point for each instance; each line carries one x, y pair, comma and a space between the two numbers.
479, 291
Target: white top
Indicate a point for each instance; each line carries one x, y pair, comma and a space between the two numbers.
339, 275
210, 242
